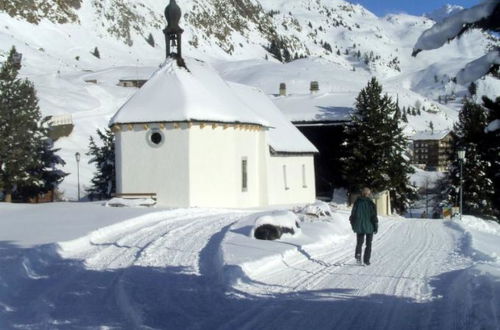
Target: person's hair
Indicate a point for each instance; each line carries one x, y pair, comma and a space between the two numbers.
365, 192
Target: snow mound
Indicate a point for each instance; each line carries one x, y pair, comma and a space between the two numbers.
244, 257
483, 237
136, 202
480, 225
317, 209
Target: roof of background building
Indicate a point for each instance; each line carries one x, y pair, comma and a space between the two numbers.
430, 135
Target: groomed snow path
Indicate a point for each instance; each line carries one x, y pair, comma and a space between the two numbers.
166, 274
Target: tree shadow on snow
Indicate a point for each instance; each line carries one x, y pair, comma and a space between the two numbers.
41, 290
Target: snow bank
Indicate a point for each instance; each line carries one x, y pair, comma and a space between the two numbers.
35, 224
484, 238
107, 233
137, 202
244, 257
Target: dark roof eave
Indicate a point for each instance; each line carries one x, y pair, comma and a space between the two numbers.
188, 121
321, 123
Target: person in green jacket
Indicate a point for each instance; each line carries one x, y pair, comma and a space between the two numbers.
364, 222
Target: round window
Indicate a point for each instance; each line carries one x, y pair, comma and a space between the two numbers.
155, 138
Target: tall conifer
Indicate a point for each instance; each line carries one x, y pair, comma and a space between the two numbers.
478, 188
25, 150
375, 148
103, 156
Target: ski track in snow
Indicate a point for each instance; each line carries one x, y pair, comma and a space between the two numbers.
166, 274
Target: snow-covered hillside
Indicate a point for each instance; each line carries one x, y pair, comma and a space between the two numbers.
345, 45
444, 12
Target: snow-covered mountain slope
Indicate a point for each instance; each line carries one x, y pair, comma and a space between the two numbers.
345, 45
440, 14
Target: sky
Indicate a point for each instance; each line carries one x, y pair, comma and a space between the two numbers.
383, 7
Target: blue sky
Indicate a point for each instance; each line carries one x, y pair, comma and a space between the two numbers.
414, 7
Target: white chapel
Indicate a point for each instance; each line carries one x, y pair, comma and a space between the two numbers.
195, 140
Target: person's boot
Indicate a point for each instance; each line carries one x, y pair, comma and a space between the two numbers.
358, 259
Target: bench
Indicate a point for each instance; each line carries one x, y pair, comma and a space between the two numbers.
135, 195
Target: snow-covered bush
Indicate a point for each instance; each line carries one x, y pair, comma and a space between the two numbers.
272, 225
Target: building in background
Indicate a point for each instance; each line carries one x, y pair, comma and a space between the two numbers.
322, 118
431, 150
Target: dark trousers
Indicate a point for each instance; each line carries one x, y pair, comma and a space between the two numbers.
368, 248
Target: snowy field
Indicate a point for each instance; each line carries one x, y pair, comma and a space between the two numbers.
147, 268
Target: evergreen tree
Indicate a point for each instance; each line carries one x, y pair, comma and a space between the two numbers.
25, 151
404, 117
47, 170
287, 57
472, 88
477, 186
492, 146
397, 114
96, 53
103, 156
275, 50
151, 41
375, 147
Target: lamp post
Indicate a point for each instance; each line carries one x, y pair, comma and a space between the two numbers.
461, 159
77, 157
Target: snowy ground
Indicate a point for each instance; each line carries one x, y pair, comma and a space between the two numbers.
186, 269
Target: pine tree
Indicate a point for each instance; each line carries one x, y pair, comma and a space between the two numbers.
96, 53
375, 147
47, 170
275, 50
404, 117
477, 186
23, 149
104, 180
151, 41
472, 88
492, 146
287, 57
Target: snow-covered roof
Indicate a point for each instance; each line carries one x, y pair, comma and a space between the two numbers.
430, 135
283, 135
176, 94
324, 107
